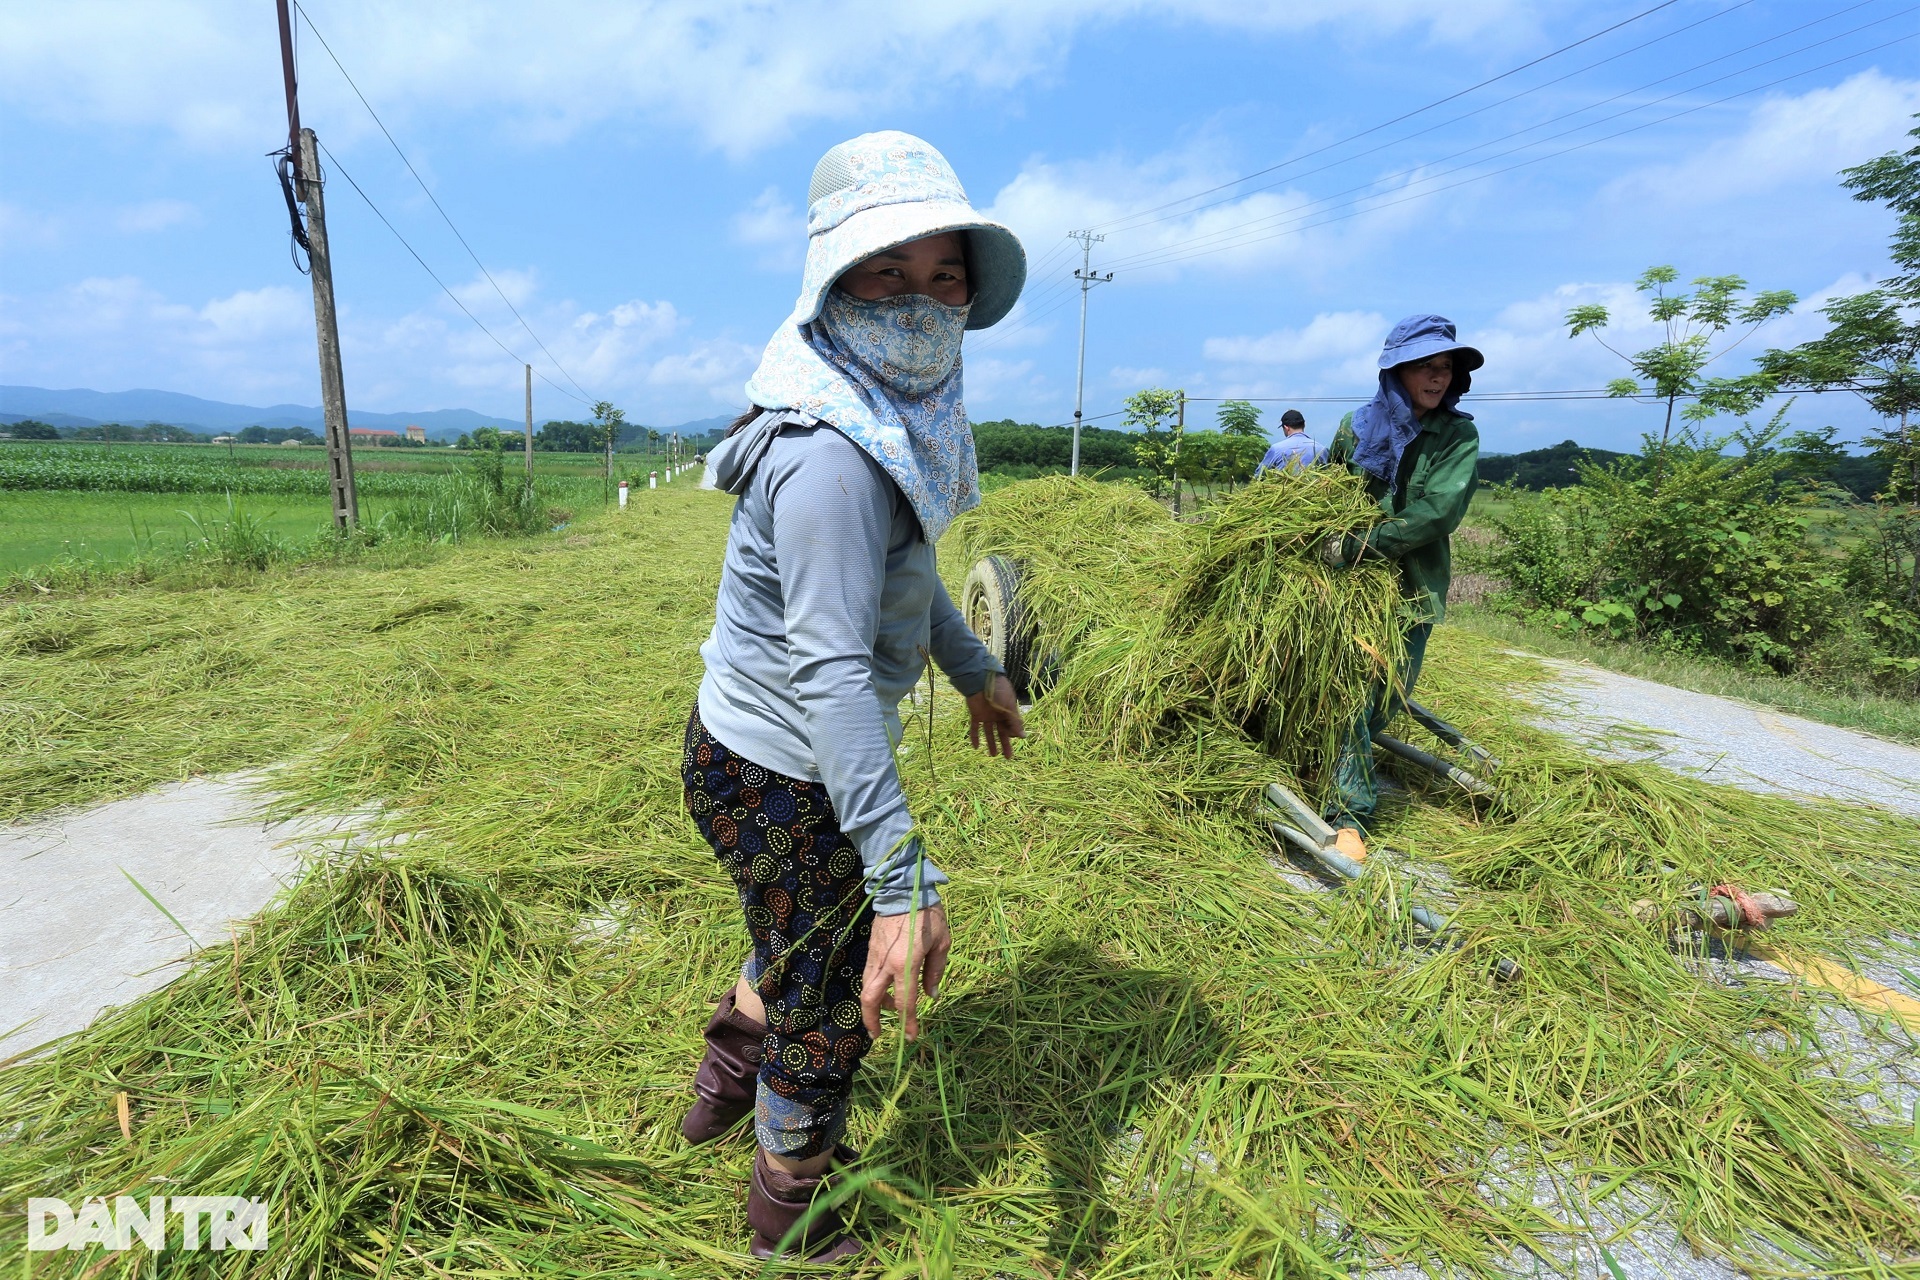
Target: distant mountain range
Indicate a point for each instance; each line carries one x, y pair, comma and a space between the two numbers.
83, 408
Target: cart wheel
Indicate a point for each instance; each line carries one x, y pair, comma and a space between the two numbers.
990, 602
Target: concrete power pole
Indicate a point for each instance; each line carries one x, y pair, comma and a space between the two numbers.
333, 387
303, 151
1087, 279
1179, 438
529, 424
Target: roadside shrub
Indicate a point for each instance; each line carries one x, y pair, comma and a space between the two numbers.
1883, 578
242, 540
479, 499
1687, 545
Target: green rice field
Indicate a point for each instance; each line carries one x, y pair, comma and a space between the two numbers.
106, 505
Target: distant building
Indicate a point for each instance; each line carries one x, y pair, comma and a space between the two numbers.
372, 435
289, 444
416, 434
223, 440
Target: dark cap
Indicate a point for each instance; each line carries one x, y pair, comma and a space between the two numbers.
1292, 418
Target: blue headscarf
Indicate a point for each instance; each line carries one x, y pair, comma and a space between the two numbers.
1386, 425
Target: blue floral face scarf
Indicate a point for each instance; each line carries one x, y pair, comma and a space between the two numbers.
886, 375
910, 343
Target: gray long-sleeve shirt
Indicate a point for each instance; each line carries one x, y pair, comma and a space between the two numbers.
829, 603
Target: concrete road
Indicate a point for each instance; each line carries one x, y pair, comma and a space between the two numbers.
78, 935
1728, 741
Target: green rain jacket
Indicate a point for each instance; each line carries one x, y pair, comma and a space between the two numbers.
1435, 484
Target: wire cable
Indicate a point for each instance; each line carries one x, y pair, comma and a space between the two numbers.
1304, 211
1387, 124
1547, 84
335, 162
1295, 220
307, 18
1232, 234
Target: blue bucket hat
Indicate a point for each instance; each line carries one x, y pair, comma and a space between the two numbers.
1386, 425
1420, 337
883, 189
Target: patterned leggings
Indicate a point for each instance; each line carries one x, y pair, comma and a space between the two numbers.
805, 900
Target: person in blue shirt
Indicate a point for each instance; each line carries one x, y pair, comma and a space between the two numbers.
1295, 450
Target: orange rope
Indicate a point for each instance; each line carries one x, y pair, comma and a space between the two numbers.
1750, 913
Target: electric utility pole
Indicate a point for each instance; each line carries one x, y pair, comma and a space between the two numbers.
1087, 279
303, 187
529, 424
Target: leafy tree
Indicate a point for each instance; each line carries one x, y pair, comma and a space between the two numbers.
1554, 467
1240, 418
566, 437
1024, 448
608, 422
34, 429
1155, 415
1673, 368
1811, 457
276, 435
1872, 348
1215, 457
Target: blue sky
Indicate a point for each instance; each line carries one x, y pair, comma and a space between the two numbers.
632, 173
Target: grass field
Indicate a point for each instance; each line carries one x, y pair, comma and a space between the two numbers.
111, 505
41, 526
466, 1053
175, 468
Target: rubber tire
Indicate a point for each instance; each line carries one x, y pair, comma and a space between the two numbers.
990, 602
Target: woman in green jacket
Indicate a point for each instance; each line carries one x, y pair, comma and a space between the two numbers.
1420, 455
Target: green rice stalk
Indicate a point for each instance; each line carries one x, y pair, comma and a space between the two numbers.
1153, 1055
1155, 623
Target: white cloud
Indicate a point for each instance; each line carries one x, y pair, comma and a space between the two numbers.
993, 382
775, 227
156, 215
1788, 142
254, 313
769, 220
479, 294
1134, 376
1333, 353
1329, 336
1261, 231
739, 72
20, 227
255, 346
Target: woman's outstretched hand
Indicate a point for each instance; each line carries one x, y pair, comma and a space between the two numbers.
906, 955
995, 714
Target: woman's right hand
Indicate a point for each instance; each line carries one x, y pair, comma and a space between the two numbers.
906, 954
995, 713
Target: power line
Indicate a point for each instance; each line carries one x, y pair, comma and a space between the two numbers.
1057, 293
1295, 220
1386, 124
1300, 214
442, 212
335, 162
1528, 92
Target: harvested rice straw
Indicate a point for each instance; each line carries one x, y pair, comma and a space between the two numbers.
1157, 623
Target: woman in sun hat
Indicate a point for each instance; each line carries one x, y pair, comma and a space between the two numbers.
854, 459
1420, 455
